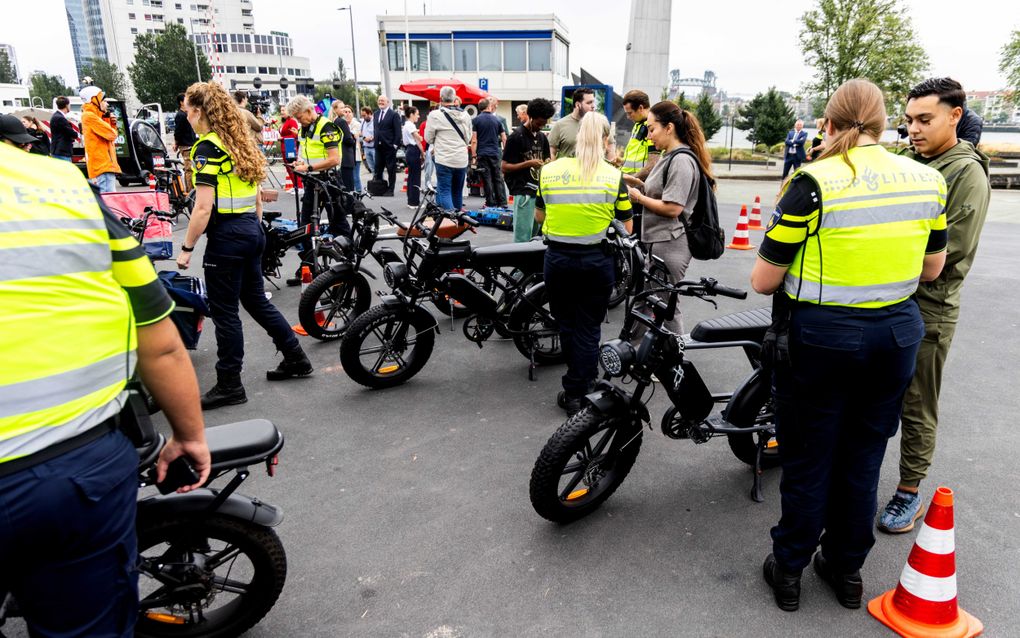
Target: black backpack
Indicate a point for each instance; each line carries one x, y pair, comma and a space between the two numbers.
705, 237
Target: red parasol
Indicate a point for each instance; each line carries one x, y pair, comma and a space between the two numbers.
429, 89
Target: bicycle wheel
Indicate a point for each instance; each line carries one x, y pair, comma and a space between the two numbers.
386, 346
582, 464
331, 302
209, 577
535, 328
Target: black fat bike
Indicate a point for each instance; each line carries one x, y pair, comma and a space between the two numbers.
590, 455
498, 287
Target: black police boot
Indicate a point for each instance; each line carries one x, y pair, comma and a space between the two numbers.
296, 279
227, 391
570, 404
849, 588
785, 587
294, 364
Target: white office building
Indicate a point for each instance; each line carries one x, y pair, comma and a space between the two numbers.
13, 57
224, 30
517, 57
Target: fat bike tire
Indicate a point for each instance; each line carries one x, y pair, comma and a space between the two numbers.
370, 357
336, 299
243, 569
576, 470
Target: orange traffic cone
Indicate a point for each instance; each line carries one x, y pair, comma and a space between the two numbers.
288, 185
306, 278
754, 223
403, 189
741, 237
510, 200
923, 605
152, 181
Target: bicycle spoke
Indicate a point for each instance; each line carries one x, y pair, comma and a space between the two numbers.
601, 445
226, 554
571, 484
373, 349
231, 586
572, 467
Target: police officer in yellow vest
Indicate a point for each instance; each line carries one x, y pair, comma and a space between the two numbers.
640, 154
228, 168
80, 309
851, 237
581, 196
320, 153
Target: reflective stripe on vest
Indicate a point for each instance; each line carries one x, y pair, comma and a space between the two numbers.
56, 262
635, 155
234, 196
312, 147
872, 231
576, 212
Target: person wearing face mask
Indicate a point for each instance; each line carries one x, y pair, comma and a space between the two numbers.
99, 132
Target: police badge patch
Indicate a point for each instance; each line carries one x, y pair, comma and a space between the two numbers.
200, 162
777, 214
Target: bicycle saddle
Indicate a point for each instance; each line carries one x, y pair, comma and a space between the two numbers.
526, 255
242, 443
748, 325
270, 215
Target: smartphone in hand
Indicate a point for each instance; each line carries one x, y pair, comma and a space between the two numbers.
178, 474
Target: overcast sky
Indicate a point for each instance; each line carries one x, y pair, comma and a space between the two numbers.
749, 44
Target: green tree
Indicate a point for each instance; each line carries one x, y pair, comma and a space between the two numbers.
682, 101
710, 120
7, 75
873, 39
107, 76
1010, 64
346, 91
766, 118
47, 87
165, 66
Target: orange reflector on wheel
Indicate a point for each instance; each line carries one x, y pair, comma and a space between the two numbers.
772, 443
576, 494
388, 369
164, 618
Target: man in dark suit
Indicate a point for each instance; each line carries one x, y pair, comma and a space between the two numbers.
794, 155
62, 131
387, 138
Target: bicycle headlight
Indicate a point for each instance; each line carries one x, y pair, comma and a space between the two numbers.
615, 357
394, 274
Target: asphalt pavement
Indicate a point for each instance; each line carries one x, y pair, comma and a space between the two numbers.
407, 511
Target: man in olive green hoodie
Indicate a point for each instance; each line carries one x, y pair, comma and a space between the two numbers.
934, 107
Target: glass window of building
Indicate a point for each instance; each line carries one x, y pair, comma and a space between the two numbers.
440, 55
465, 55
515, 56
131, 16
490, 56
560, 57
539, 54
395, 54
419, 56
263, 69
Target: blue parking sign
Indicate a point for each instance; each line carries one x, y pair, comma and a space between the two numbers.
483, 84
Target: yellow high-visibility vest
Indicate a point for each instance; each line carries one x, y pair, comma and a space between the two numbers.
635, 154
234, 196
67, 329
313, 147
865, 247
578, 212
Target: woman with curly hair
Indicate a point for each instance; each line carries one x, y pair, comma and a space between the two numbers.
227, 171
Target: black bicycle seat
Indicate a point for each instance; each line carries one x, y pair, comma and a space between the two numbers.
517, 255
270, 215
748, 325
242, 443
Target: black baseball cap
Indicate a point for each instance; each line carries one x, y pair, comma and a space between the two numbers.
11, 128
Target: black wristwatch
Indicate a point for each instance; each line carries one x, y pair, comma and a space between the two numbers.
185, 249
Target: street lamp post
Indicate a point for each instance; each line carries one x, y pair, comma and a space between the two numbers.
354, 59
194, 42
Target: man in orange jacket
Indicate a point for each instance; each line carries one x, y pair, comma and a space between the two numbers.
99, 131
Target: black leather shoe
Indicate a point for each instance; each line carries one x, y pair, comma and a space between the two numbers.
849, 588
222, 395
293, 365
570, 404
785, 587
294, 281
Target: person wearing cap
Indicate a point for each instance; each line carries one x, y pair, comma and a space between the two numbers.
99, 132
14, 133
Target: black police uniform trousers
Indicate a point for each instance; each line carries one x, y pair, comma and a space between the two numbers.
67, 540
386, 158
837, 405
413, 155
579, 280
233, 274
335, 215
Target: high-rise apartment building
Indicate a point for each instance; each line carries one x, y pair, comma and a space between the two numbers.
13, 58
223, 29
